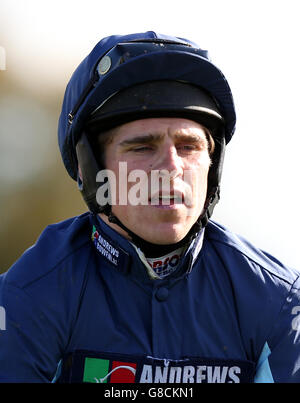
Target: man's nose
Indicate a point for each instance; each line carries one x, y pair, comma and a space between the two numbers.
169, 160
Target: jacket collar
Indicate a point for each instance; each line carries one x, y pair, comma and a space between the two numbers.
128, 259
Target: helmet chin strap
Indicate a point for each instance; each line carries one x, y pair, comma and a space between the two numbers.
155, 250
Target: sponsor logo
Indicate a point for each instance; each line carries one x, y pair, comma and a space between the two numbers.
190, 374
106, 371
166, 264
104, 247
162, 264
151, 370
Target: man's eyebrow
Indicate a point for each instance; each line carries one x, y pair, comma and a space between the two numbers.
141, 139
193, 137
156, 137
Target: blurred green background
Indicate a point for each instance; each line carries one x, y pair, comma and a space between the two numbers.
35, 188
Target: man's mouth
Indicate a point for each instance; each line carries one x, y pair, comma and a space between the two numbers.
167, 199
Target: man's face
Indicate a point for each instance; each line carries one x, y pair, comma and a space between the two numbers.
172, 149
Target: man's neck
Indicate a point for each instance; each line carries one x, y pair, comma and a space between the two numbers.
149, 249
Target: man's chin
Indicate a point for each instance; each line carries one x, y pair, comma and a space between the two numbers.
164, 234
153, 229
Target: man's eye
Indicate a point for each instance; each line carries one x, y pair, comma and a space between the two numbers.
187, 147
141, 149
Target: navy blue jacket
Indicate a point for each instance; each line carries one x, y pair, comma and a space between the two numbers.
78, 310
